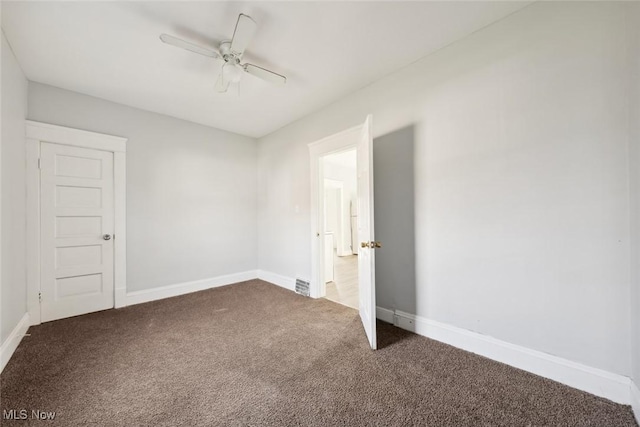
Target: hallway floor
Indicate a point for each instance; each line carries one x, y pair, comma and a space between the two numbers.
344, 288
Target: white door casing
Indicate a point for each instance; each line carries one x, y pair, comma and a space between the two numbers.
366, 253
71, 214
76, 231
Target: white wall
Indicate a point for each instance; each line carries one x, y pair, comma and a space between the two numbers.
14, 111
634, 188
521, 184
191, 189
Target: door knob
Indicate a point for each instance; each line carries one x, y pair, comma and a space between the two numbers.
107, 237
371, 245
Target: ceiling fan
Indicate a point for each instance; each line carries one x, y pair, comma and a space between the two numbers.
231, 51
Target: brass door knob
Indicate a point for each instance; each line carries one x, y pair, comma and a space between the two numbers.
371, 245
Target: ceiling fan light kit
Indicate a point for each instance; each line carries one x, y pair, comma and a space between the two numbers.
231, 51
232, 73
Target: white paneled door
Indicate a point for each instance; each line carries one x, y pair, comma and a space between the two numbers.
366, 252
76, 231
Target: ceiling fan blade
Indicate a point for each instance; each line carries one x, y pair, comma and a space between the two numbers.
265, 74
174, 41
222, 84
242, 35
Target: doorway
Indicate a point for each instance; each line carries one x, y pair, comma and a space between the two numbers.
360, 140
341, 227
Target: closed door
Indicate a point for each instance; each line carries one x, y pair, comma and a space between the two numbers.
76, 226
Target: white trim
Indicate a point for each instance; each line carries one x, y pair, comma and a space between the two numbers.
120, 228
340, 141
33, 230
46, 132
120, 298
9, 346
36, 133
635, 400
278, 279
385, 315
586, 378
153, 294
321, 145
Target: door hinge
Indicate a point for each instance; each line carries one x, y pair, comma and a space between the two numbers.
39, 164
40, 296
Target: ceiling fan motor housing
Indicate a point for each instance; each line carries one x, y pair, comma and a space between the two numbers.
231, 70
227, 54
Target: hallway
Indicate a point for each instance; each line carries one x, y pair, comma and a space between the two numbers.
344, 288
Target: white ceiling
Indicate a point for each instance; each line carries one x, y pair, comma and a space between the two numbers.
326, 49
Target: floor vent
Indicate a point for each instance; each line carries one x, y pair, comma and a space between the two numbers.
302, 287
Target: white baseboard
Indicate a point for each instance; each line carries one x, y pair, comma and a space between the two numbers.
586, 378
120, 299
385, 315
139, 297
635, 400
277, 279
9, 346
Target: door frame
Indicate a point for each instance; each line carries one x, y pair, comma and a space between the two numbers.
37, 132
338, 142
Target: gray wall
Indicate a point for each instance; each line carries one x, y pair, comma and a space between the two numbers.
13, 291
191, 189
393, 186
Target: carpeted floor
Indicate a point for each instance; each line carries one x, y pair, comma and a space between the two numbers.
256, 354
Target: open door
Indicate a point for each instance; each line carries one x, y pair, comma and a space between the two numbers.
366, 250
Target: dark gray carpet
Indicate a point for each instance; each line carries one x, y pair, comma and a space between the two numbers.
255, 354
